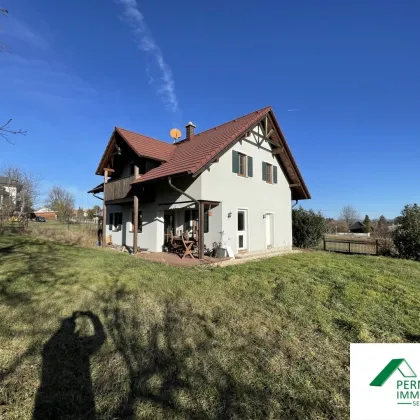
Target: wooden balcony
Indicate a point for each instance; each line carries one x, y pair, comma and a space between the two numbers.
118, 189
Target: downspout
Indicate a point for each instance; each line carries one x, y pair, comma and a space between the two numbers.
295, 203
181, 192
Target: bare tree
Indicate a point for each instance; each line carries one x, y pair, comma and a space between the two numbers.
62, 202
19, 191
349, 215
6, 130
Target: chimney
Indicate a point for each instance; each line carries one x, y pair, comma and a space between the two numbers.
190, 130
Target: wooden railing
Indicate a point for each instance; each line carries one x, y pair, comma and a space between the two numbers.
115, 190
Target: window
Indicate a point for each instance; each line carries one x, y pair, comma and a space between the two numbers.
190, 220
140, 221
269, 173
115, 221
241, 164
241, 221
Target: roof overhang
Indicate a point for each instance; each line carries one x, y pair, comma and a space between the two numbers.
286, 160
117, 135
98, 189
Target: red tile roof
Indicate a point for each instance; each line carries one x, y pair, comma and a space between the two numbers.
191, 155
147, 146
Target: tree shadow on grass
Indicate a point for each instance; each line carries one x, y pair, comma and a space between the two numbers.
66, 385
30, 265
173, 366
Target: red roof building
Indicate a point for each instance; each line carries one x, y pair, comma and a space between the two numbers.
139, 167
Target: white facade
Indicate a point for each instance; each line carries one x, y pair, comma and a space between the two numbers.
261, 210
252, 195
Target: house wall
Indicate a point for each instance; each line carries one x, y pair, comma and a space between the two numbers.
48, 215
215, 227
152, 224
252, 193
219, 183
152, 236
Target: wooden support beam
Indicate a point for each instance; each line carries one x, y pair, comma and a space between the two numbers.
277, 150
269, 133
136, 214
109, 170
201, 231
256, 133
294, 185
104, 213
274, 143
264, 137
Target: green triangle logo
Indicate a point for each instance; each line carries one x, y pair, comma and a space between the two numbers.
395, 364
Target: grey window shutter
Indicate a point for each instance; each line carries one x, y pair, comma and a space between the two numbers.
235, 162
250, 172
264, 171
275, 174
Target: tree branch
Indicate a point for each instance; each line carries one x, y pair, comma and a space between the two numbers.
5, 130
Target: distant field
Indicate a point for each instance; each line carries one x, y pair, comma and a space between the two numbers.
358, 245
53, 224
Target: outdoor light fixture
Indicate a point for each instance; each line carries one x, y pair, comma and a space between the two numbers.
230, 214
264, 215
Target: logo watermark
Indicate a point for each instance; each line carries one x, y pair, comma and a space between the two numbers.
383, 381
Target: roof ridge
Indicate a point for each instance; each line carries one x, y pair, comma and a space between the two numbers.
144, 135
265, 109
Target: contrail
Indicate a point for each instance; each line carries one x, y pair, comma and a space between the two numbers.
146, 43
292, 110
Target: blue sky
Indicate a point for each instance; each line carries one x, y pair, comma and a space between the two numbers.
350, 72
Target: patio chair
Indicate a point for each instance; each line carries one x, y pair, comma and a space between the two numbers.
173, 245
187, 247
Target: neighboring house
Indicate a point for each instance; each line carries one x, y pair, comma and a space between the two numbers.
238, 178
47, 213
9, 192
358, 227
97, 216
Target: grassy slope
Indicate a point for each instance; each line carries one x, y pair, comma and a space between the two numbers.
267, 339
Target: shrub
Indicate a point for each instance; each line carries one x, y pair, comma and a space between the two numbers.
308, 228
407, 235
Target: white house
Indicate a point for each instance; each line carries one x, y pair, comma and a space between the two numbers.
9, 192
234, 184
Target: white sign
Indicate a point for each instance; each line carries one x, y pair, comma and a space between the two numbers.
385, 381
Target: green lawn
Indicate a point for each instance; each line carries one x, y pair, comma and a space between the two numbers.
263, 340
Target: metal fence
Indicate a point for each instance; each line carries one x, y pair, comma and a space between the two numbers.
351, 246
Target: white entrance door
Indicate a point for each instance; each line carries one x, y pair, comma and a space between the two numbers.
269, 230
242, 229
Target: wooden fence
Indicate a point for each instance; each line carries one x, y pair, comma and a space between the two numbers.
351, 246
